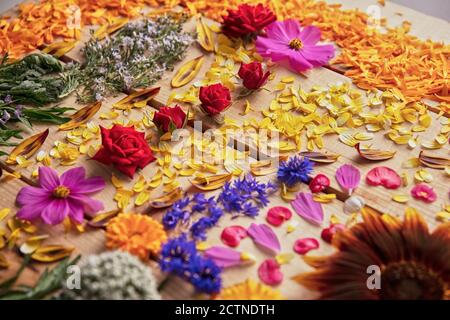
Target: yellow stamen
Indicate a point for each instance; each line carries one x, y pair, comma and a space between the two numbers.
296, 44
61, 192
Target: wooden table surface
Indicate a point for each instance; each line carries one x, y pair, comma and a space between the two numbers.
92, 241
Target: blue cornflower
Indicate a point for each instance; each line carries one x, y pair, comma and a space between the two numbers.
199, 204
176, 254
205, 275
176, 214
295, 170
245, 196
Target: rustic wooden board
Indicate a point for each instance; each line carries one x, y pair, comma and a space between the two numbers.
174, 289
376, 197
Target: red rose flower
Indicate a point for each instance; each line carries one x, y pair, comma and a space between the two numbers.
252, 75
124, 148
247, 20
169, 119
215, 98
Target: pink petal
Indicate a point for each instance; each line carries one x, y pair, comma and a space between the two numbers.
348, 177
385, 177
277, 215
423, 192
270, 272
303, 246
307, 208
292, 29
33, 195
310, 35
90, 185
281, 31
263, 236
73, 177
298, 63
56, 211
90, 205
233, 235
48, 178
76, 212
224, 257
318, 55
32, 211
273, 49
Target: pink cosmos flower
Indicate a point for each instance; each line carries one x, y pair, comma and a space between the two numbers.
285, 41
58, 197
423, 192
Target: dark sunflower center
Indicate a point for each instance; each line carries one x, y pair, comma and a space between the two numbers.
61, 192
296, 44
411, 281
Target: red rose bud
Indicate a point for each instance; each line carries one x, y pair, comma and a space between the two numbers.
169, 119
252, 75
328, 233
124, 148
319, 183
247, 20
214, 98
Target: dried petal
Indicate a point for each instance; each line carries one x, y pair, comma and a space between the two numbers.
385, 177
81, 116
374, 154
187, 72
277, 215
270, 272
27, 147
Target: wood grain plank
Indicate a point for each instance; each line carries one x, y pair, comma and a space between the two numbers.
377, 197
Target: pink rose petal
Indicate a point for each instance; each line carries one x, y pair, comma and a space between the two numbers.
277, 215
423, 192
307, 208
264, 236
385, 177
232, 236
270, 273
304, 245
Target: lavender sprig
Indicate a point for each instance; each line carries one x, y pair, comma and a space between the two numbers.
136, 57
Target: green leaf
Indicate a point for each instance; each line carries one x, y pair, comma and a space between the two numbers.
49, 282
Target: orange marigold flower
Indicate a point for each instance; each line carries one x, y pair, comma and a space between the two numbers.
138, 234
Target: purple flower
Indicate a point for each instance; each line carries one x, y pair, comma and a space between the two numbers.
286, 42
295, 170
58, 197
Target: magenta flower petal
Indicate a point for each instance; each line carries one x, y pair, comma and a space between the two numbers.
90, 185
224, 257
298, 63
310, 35
291, 28
56, 211
277, 30
29, 195
264, 236
384, 176
348, 177
76, 211
318, 55
48, 178
73, 177
307, 208
424, 192
90, 205
31, 212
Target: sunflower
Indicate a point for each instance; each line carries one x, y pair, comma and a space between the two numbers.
413, 263
138, 234
249, 290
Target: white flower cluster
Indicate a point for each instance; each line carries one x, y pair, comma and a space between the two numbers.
114, 275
